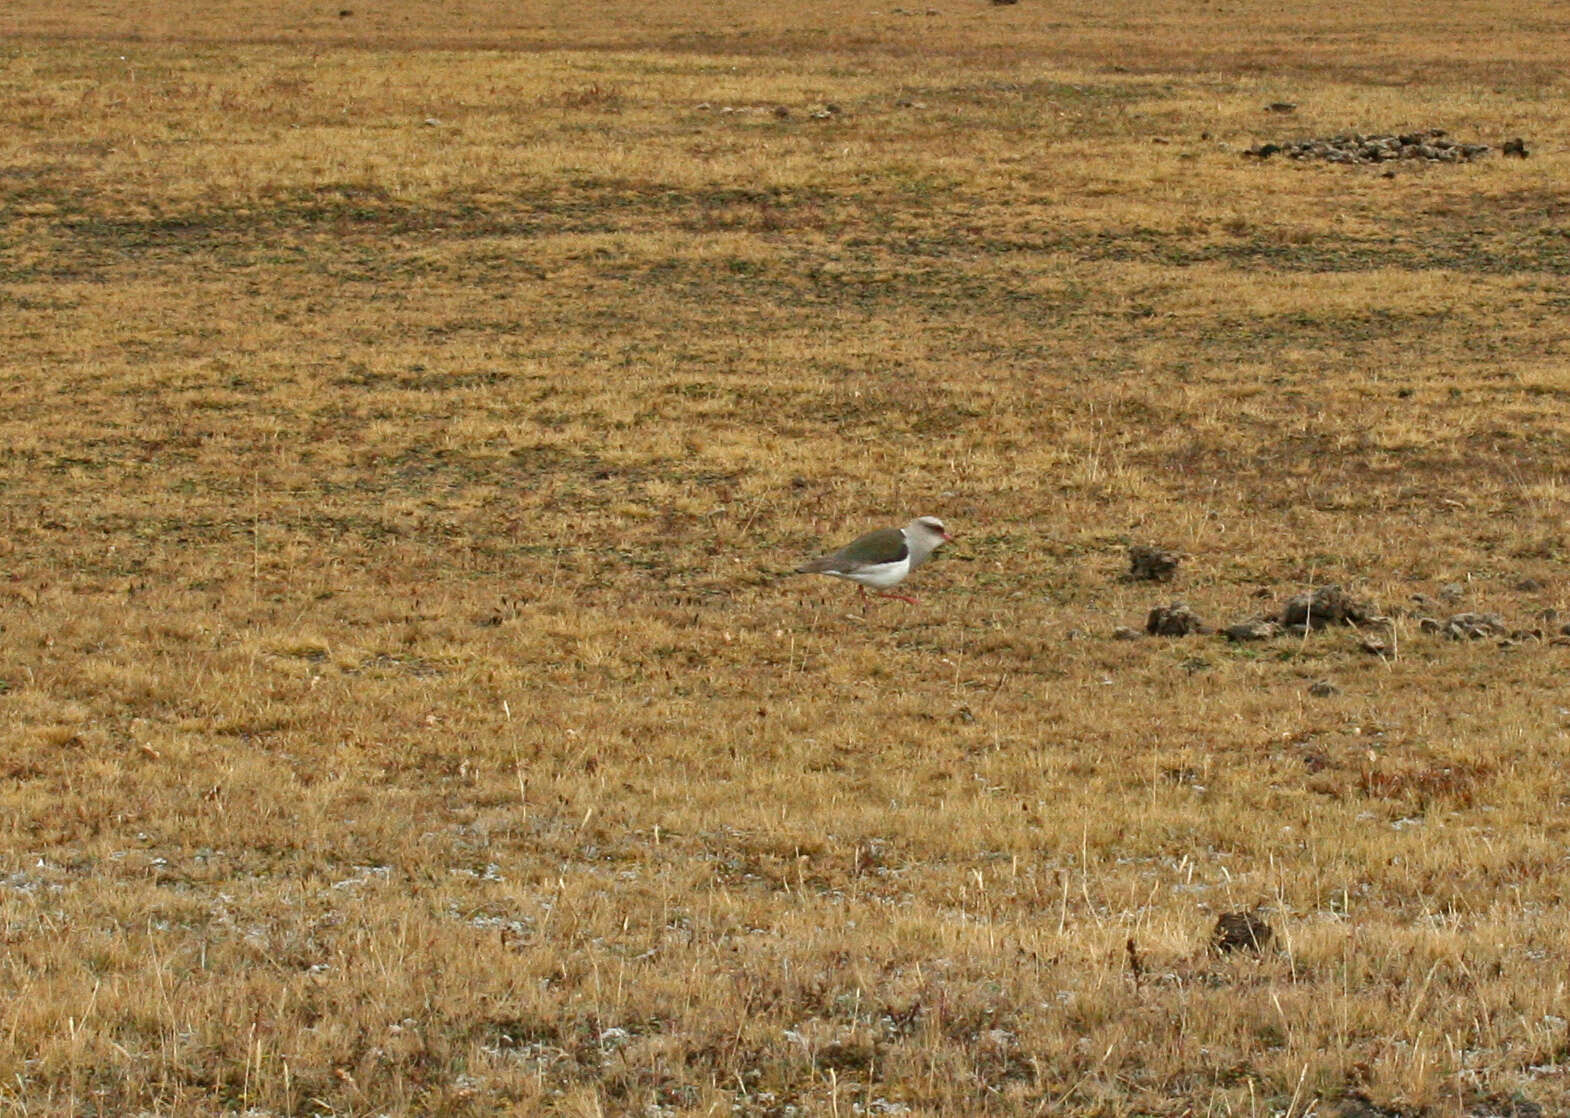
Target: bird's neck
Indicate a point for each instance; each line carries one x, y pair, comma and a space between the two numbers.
920, 549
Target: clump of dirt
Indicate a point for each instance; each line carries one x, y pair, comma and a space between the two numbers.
1240, 931
1258, 629
1358, 1105
1176, 620
1318, 609
1152, 564
1466, 626
1432, 145
1328, 605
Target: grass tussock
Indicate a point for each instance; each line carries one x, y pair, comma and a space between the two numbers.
412, 414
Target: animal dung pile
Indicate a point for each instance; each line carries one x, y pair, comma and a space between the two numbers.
1430, 146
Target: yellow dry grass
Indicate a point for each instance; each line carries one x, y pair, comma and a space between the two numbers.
411, 411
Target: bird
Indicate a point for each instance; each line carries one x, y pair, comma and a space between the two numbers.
883, 558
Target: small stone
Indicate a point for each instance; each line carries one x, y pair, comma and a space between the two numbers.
1281, 107
1176, 620
1373, 646
1239, 931
1452, 591
1515, 147
1124, 633
1323, 689
1529, 586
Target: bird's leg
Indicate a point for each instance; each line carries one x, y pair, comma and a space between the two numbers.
901, 597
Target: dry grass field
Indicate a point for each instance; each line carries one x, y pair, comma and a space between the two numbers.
411, 412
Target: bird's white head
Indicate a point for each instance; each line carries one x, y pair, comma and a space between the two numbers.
925, 535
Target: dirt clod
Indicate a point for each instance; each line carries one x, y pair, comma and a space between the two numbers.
1239, 931
1431, 146
1151, 564
1259, 629
1466, 626
1358, 1105
1374, 646
1175, 620
1328, 605
1505, 1107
